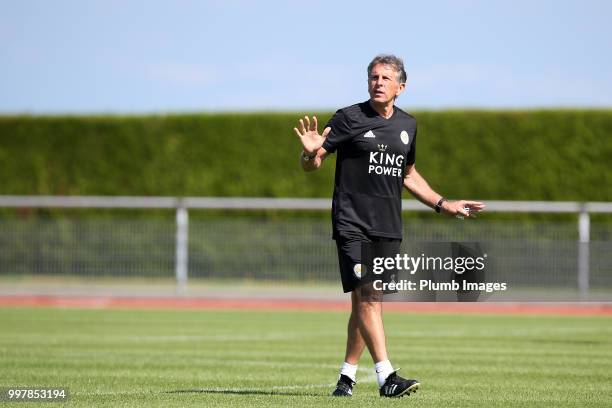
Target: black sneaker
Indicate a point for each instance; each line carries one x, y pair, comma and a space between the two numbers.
344, 388
396, 386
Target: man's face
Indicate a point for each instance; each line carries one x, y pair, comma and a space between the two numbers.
383, 85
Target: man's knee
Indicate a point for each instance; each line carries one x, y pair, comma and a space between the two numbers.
362, 305
367, 293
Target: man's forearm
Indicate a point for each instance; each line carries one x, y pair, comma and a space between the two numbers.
419, 188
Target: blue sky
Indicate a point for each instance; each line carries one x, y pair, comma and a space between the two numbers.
173, 56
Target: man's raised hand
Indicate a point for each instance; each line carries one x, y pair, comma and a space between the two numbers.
309, 134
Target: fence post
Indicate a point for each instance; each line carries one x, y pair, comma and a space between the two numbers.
584, 236
182, 243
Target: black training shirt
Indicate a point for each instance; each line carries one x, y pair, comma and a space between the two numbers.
373, 153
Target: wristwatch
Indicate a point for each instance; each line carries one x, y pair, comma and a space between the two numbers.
438, 206
306, 157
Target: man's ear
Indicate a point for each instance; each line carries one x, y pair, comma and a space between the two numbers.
401, 89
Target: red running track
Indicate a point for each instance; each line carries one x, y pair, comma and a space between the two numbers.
112, 302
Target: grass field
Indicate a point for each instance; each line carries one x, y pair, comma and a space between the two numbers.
179, 358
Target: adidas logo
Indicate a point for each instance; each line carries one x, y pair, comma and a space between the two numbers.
382, 148
369, 133
390, 389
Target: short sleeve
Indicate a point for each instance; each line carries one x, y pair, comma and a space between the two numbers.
411, 156
340, 131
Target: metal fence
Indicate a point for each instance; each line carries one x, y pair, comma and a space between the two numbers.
238, 245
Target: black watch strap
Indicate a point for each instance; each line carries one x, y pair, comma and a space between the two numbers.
308, 157
438, 206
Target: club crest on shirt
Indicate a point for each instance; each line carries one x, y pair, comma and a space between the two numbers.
404, 136
357, 270
369, 133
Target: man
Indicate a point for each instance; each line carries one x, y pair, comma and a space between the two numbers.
376, 145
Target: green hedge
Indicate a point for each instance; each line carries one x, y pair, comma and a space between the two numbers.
510, 155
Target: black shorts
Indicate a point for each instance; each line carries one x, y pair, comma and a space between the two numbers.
349, 257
